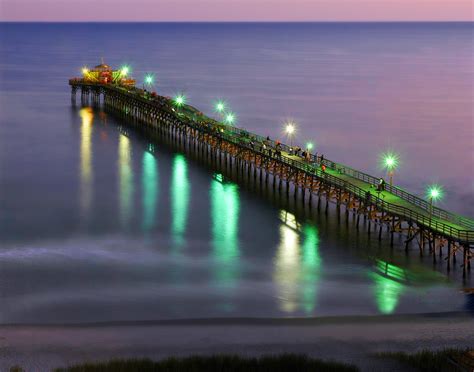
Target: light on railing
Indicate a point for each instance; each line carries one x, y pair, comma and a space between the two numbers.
390, 162
290, 129
125, 70
220, 106
230, 118
434, 193
179, 100
148, 80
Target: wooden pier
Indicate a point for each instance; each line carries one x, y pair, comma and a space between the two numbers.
269, 163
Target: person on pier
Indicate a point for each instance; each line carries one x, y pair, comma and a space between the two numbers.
381, 185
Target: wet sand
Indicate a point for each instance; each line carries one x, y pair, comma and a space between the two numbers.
346, 339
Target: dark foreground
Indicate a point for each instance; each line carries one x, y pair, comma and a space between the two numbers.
447, 360
230, 363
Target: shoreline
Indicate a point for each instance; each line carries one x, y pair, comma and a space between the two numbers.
255, 321
353, 340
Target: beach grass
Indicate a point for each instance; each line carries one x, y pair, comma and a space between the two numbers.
445, 360
218, 363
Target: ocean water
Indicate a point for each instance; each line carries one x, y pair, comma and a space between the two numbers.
100, 222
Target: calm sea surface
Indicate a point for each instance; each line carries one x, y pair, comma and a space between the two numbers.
99, 222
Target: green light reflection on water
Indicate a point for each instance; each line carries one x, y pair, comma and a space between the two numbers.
297, 266
149, 190
180, 190
225, 209
125, 181
311, 266
387, 293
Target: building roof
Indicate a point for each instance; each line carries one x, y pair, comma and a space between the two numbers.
103, 67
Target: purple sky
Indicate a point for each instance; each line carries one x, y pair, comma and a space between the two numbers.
234, 10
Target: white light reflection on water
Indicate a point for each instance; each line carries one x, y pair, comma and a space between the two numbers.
297, 268
125, 181
87, 117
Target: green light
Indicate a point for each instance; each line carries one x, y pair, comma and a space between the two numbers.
311, 255
220, 106
230, 118
387, 293
309, 146
125, 70
180, 100
225, 211
180, 193
149, 190
149, 78
311, 268
435, 192
390, 160
219, 177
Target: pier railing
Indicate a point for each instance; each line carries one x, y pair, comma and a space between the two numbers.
433, 222
344, 169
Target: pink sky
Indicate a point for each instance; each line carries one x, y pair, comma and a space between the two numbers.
235, 10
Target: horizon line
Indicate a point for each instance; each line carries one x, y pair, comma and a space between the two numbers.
250, 21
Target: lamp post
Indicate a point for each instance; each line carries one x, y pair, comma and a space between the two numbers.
124, 70
230, 118
148, 80
434, 193
220, 106
390, 162
290, 130
179, 100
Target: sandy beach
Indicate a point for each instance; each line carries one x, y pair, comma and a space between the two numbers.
346, 339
